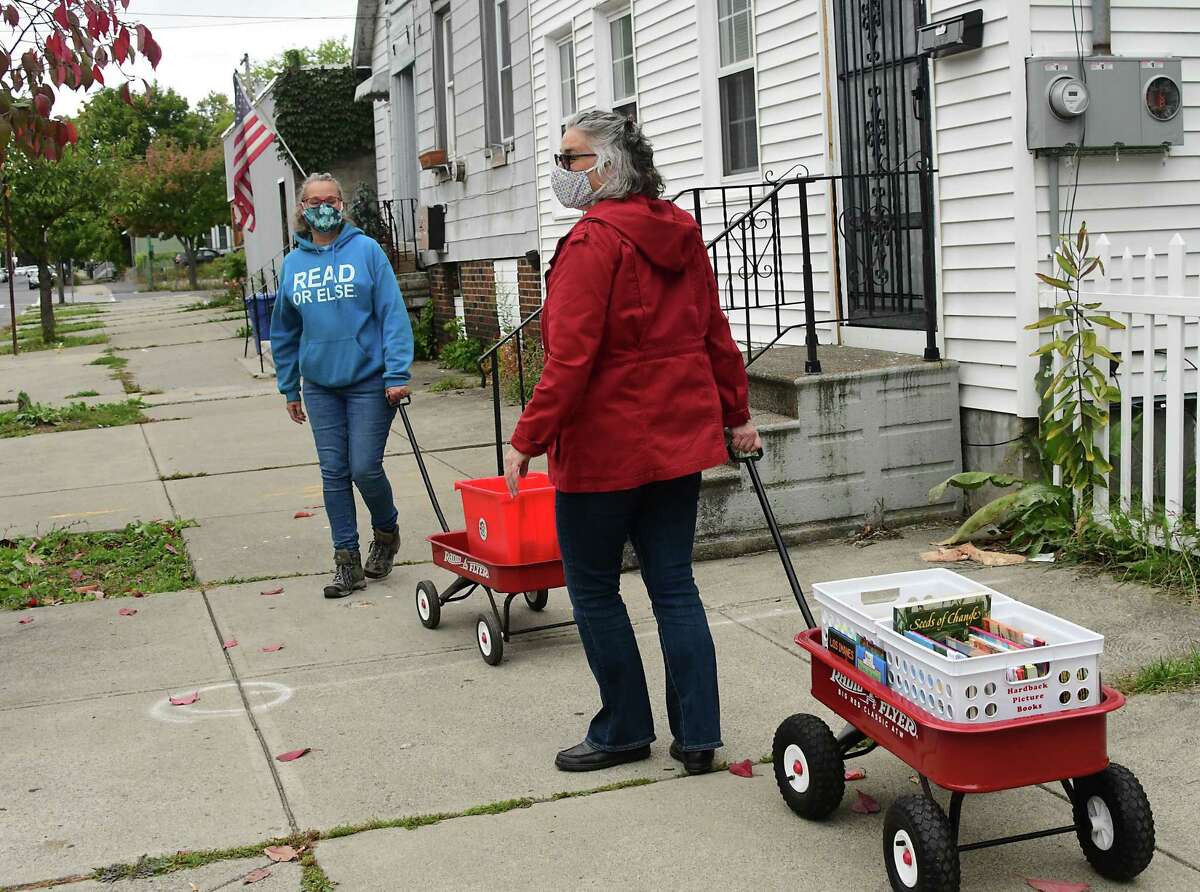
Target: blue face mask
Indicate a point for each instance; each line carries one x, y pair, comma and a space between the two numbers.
323, 219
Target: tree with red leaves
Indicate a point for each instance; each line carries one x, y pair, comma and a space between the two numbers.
60, 45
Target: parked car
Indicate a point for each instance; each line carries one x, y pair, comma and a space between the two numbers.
203, 255
35, 279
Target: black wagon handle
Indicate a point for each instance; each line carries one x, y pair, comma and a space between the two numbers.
403, 405
751, 460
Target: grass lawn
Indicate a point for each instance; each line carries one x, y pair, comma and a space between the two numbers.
65, 567
38, 418
34, 342
61, 311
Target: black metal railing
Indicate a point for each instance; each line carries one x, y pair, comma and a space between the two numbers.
490, 365
399, 218
258, 300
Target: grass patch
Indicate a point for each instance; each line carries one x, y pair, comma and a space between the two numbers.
34, 329
1163, 676
222, 299
1131, 550
151, 866
82, 393
313, 878
117, 371
445, 385
38, 418
143, 558
34, 343
179, 475
34, 313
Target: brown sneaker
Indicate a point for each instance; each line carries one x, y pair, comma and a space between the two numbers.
382, 553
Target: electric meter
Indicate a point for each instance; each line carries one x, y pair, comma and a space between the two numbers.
1069, 97
1163, 98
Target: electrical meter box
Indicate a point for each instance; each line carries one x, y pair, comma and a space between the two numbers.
1107, 102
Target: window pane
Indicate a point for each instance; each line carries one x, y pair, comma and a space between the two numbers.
739, 130
505, 45
735, 28
629, 110
506, 103
621, 33
566, 73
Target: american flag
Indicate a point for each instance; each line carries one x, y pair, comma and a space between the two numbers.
250, 139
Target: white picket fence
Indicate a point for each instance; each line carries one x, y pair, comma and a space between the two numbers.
1160, 364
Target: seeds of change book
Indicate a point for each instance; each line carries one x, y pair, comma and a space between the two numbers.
945, 617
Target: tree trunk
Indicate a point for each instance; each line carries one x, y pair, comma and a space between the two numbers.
47, 299
189, 248
62, 297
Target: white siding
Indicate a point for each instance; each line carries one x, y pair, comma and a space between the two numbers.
492, 214
382, 108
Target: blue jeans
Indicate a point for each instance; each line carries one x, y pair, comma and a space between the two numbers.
350, 426
660, 520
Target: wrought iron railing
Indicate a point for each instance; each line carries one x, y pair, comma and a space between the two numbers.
399, 218
490, 365
258, 299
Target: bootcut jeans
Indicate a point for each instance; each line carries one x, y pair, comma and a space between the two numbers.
660, 520
350, 426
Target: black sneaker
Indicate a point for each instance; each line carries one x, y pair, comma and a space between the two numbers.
585, 757
695, 761
382, 553
348, 576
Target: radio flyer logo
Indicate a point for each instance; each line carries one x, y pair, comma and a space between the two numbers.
470, 566
482, 530
899, 722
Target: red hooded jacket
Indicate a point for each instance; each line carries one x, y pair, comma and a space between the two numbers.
641, 372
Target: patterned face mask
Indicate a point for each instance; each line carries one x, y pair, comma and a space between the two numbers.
323, 219
572, 188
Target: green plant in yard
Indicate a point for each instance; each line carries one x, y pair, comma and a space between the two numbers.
528, 373
33, 414
1163, 676
1135, 549
62, 566
82, 393
35, 342
244, 331
424, 336
462, 352
445, 385
36, 418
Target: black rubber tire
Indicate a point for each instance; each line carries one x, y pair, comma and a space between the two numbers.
538, 600
433, 602
826, 770
493, 651
933, 847
1132, 822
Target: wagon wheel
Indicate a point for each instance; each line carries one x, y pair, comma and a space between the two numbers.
808, 766
918, 847
488, 639
537, 600
1114, 823
429, 605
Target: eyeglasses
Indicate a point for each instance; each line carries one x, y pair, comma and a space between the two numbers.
566, 159
317, 202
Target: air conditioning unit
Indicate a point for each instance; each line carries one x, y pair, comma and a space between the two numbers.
431, 227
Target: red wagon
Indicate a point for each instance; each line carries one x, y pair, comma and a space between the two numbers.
1111, 816
470, 556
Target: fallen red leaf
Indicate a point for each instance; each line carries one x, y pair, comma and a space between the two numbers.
280, 854
272, 648
171, 548
24, 621
274, 591
1056, 886
853, 774
126, 611
32, 602
293, 755
744, 768
864, 805
136, 593
300, 514
186, 699
232, 642
75, 575
256, 876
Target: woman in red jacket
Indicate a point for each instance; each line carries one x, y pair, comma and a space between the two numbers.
642, 379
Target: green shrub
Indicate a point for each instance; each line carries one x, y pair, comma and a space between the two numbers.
462, 352
424, 337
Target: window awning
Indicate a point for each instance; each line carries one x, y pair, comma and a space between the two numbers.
374, 87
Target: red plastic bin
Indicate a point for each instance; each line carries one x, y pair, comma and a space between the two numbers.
505, 530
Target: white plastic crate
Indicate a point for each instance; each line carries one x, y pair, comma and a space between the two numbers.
977, 690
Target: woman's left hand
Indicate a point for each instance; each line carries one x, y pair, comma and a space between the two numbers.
745, 438
396, 394
516, 466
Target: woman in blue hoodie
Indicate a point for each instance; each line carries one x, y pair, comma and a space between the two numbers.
341, 327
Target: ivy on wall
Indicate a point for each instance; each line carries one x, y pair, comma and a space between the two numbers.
316, 115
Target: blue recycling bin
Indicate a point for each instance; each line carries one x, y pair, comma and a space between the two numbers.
259, 307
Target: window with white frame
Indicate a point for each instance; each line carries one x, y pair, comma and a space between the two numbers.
736, 86
567, 102
624, 72
499, 118
443, 79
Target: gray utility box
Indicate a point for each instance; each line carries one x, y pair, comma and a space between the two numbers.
1110, 103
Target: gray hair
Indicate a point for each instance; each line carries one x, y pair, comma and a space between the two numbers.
624, 157
298, 221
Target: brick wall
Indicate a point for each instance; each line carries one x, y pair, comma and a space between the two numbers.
529, 291
443, 286
479, 299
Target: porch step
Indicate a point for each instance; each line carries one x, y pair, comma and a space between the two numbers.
873, 431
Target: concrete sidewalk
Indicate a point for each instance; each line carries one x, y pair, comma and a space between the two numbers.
403, 722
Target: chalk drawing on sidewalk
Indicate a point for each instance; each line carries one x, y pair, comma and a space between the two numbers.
263, 695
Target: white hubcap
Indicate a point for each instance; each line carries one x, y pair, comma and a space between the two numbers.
423, 605
905, 857
1101, 819
795, 767
485, 638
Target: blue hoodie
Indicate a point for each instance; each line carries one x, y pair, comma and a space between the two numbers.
339, 317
